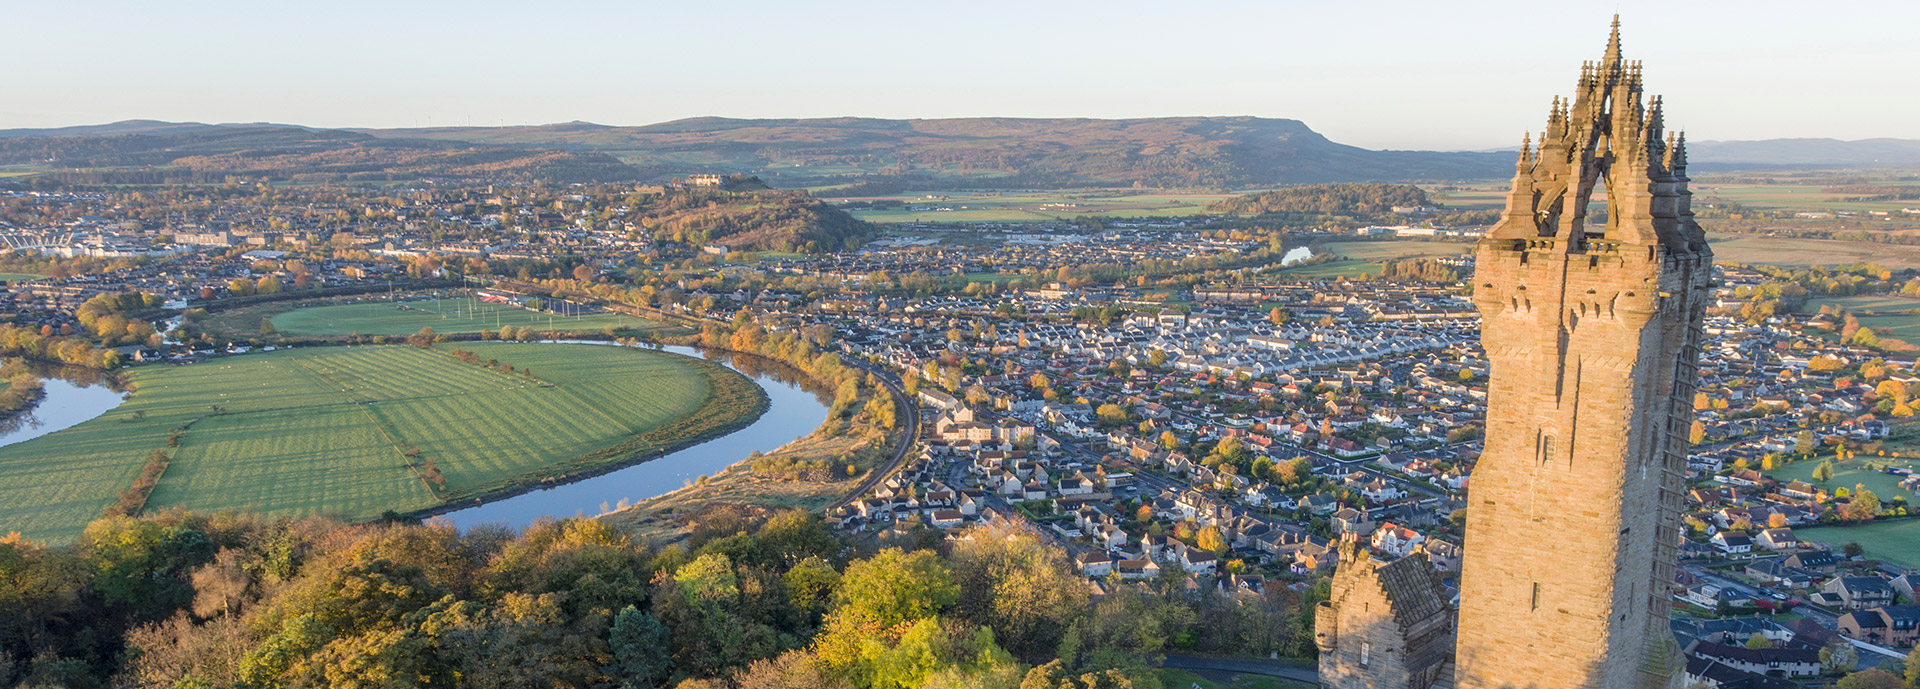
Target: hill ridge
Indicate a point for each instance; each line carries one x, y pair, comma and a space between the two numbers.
851, 155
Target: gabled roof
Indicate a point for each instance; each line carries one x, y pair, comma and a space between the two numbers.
1410, 585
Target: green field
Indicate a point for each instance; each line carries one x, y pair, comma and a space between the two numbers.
448, 316
1346, 268
1398, 248
1489, 196
1897, 542
1798, 192
1847, 474
1182, 679
1892, 315
14, 277
327, 430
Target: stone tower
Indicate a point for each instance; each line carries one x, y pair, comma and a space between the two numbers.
1592, 330
1384, 626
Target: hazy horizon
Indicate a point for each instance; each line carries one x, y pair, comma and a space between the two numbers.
1410, 76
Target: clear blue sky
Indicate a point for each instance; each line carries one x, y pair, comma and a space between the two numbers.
1428, 75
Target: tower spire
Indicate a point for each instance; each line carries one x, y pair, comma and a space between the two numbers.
1613, 44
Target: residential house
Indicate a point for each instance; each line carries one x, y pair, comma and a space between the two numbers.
1860, 593
1892, 625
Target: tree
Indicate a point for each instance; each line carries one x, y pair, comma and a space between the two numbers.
1863, 507
1824, 472
1017, 585
1893, 390
1697, 433
878, 600
1277, 316
1852, 550
893, 587
220, 585
791, 670
1112, 414
266, 326
1759, 641
1055, 675
1210, 539
1803, 444
1839, 656
1157, 358
642, 651
810, 585
1872, 678
268, 285
1230, 451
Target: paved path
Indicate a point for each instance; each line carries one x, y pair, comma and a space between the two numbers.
1298, 672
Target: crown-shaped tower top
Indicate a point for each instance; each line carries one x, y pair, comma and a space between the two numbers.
1603, 138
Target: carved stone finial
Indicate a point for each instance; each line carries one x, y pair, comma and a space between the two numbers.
1613, 44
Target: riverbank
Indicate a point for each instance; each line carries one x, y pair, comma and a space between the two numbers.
810, 473
718, 416
670, 517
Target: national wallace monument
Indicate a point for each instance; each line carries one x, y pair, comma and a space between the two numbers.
1592, 330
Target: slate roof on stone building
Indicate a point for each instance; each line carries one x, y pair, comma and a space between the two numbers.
1410, 586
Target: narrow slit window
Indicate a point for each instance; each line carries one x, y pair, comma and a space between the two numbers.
1536, 596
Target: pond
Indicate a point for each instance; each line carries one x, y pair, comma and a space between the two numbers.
792, 412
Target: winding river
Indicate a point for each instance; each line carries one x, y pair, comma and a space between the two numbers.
72, 397
792, 412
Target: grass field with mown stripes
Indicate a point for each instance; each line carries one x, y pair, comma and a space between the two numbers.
348, 431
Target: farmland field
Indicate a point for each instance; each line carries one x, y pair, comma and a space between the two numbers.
1814, 192
1786, 251
1892, 315
1398, 248
335, 430
447, 316
1894, 541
